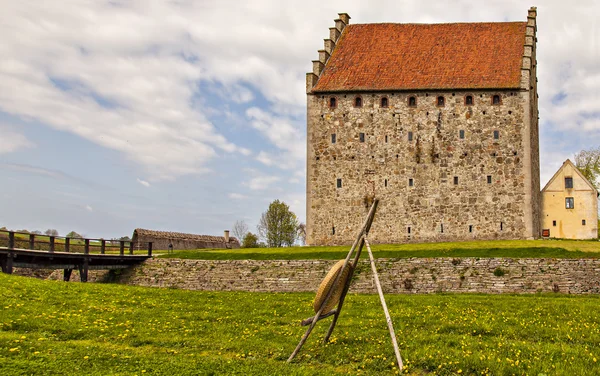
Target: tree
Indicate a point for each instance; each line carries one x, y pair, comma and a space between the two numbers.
278, 225
302, 233
588, 162
250, 241
36, 232
125, 238
51, 232
239, 230
74, 235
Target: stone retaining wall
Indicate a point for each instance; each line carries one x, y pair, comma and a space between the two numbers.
402, 276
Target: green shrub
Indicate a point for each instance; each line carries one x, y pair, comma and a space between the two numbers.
499, 272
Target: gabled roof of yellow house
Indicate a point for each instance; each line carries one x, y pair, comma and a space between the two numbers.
569, 163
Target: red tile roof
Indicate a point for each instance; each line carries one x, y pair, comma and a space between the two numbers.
386, 56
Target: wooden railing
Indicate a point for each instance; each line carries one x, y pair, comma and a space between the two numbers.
24, 240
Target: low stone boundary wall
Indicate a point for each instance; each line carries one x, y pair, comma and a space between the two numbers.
398, 276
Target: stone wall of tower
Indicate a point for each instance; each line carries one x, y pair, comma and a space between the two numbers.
434, 207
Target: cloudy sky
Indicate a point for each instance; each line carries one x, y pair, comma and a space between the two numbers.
187, 115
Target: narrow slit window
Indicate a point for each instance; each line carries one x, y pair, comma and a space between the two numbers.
332, 102
554, 223
358, 102
496, 135
568, 182
412, 101
489, 179
461, 134
440, 101
583, 222
361, 137
469, 100
333, 230
456, 180
386, 139
496, 99
411, 182
501, 226
470, 228
442, 228
384, 102
333, 138
385, 183
569, 203
339, 183
410, 136
408, 230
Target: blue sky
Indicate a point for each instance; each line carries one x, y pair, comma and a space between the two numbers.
189, 115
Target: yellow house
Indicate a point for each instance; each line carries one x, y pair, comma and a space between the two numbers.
569, 205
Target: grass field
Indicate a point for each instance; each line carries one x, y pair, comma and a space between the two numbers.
51, 327
496, 248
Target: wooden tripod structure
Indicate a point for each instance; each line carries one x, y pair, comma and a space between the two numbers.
354, 254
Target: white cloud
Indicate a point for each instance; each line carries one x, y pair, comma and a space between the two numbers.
237, 196
89, 208
12, 140
143, 182
259, 183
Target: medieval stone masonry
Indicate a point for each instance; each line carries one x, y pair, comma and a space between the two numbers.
439, 122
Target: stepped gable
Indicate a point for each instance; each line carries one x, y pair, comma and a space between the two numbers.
388, 56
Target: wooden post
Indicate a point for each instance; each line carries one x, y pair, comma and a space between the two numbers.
131, 248
9, 263
83, 270
67, 274
149, 249
367, 223
11, 240
86, 250
102, 246
385, 309
67, 244
32, 241
122, 247
51, 244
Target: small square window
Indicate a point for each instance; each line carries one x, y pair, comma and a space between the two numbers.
489, 179
554, 223
410, 136
333, 138
361, 137
358, 102
583, 222
496, 135
440, 101
412, 101
469, 100
496, 99
456, 180
411, 182
569, 203
339, 183
568, 182
332, 102
461, 134
384, 102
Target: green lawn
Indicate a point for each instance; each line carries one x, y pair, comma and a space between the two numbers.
54, 328
496, 248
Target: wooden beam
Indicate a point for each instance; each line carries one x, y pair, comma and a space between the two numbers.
385, 309
51, 244
67, 274
31, 241
11, 240
309, 320
67, 244
102, 246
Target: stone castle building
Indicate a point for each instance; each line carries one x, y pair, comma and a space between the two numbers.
437, 121
569, 205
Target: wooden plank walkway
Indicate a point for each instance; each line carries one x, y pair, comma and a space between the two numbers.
53, 252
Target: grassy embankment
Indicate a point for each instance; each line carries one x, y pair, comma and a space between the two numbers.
495, 248
51, 327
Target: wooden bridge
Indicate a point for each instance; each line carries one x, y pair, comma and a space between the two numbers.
24, 250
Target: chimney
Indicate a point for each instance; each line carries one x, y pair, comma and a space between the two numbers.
226, 234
